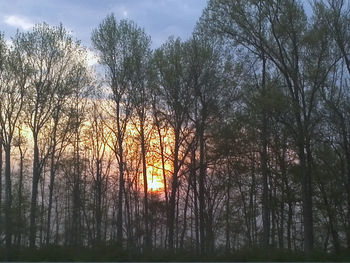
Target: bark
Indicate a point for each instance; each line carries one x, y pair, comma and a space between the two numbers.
273, 197
184, 228
51, 188
245, 214
98, 214
20, 198
289, 225
195, 197
281, 228
35, 184
42, 208
202, 174
161, 146
1, 179
148, 236
8, 197
121, 182
307, 203
74, 237
164, 176
200, 133
306, 193
227, 215
174, 186
347, 159
49, 209
53, 167
264, 166
331, 220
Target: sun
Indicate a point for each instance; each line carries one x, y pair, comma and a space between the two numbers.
158, 168
155, 180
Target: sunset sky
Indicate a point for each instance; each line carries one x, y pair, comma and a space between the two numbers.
160, 18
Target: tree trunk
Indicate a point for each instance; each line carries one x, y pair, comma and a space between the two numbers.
98, 213
35, 183
289, 225
51, 186
202, 174
76, 198
8, 197
264, 166
1, 223
20, 199
42, 208
195, 197
331, 220
148, 236
227, 215
52, 179
184, 228
121, 183
307, 203
347, 158
306, 191
174, 185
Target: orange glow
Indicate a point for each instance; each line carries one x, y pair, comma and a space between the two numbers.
107, 140
155, 179
155, 173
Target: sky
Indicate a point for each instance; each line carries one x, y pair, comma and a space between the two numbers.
159, 18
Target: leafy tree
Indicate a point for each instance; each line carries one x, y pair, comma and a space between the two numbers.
173, 92
294, 45
50, 53
138, 64
120, 46
12, 95
203, 75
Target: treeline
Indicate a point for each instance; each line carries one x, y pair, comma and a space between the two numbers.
233, 139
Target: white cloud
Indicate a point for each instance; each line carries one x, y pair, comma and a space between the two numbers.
19, 22
92, 58
122, 11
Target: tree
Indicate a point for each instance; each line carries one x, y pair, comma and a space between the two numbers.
114, 43
2, 59
335, 14
291, 43
203, 79
139, 63
173, 92
12, 95
97, 137
51, 55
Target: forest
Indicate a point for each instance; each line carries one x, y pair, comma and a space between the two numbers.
236, 139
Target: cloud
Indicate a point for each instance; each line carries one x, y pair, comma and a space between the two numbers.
122, 11
91, 57
159, 18
19, 22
